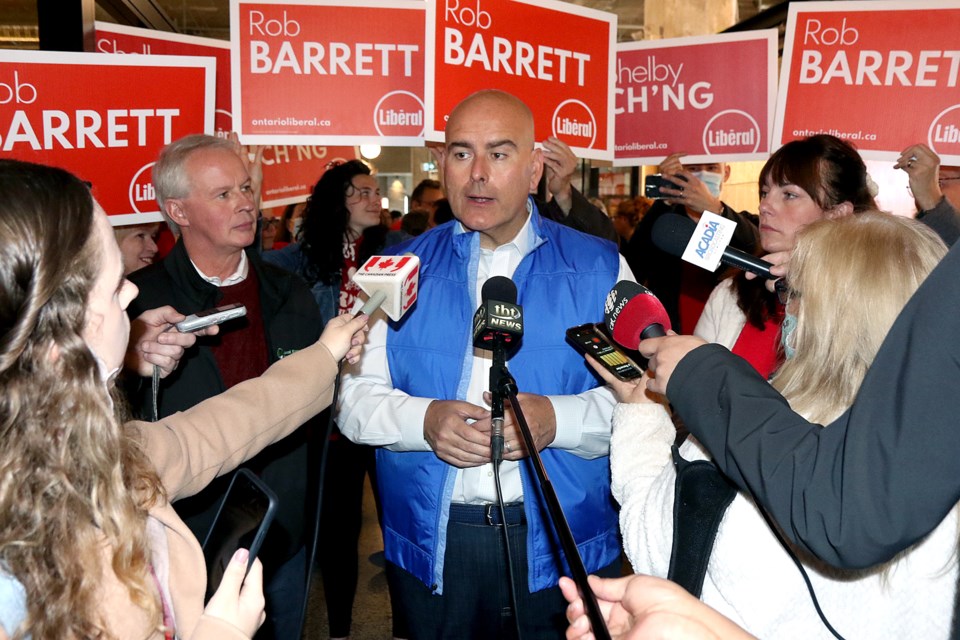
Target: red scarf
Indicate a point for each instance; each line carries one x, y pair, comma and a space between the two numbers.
349, 291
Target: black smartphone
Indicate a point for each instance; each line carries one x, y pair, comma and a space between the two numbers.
242, 521
592, 340
208, 317
652, 185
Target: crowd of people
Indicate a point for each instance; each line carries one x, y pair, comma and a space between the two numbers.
122, 432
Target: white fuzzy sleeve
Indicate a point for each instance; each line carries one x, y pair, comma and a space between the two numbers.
642, 482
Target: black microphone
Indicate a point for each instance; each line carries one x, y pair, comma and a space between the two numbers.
499, 318
497, 324
671, 233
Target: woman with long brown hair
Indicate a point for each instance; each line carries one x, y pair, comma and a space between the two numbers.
89, 544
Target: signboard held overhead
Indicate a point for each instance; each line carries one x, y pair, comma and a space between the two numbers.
55, 109
711, 97
321, 72
882, 75
555, 56
121, 39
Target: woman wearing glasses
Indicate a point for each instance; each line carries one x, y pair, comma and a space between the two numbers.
804, 181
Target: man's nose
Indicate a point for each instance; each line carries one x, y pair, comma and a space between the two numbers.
479, 169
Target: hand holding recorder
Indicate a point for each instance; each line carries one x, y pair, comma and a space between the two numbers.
153, 344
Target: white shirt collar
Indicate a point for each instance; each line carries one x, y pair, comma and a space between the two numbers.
523, 242
238, 276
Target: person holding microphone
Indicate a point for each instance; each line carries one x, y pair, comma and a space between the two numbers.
89, 544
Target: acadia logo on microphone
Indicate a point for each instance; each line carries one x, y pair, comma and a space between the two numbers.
709, 233
708, 241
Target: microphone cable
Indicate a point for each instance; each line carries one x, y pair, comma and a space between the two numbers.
368, 308
324, 449
803, 573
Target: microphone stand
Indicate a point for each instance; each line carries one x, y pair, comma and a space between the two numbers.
507, 386
497, 368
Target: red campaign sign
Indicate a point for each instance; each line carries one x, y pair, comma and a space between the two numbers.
115, 38
290, 172
711, 97
325, 72
102, 118
557, 57
882, 75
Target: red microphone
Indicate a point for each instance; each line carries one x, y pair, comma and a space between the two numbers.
632, 313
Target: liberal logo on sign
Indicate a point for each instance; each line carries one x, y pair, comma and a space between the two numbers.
143, 197
944, 133
573, 122
731, 131
399, 113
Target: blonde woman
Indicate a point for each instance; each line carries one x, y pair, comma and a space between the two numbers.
849, 279
89, 544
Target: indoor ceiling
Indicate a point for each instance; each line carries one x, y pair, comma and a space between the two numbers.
211, 18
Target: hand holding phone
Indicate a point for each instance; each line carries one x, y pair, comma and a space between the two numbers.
209, 317
653, 185
592, 340
238, 600
242, 521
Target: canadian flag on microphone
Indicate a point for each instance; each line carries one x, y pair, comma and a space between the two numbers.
396, 277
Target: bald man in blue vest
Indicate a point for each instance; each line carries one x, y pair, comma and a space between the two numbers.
418, 394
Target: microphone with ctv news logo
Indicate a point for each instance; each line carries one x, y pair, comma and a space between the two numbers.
497, 324
632, 314
704, 243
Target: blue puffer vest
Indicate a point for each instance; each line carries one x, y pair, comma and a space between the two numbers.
561, 283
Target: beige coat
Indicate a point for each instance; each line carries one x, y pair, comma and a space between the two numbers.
191, 448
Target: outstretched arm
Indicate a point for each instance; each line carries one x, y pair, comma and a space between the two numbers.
871, 483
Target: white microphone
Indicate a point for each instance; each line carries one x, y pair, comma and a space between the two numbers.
705, 243
391, 282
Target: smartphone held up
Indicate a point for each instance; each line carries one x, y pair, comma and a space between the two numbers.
653, 185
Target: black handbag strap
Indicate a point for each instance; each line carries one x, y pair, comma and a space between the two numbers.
701, 497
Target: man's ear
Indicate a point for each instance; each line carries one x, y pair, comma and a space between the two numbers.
438, 151
536, 159
176, 212
726, 172
841, 210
